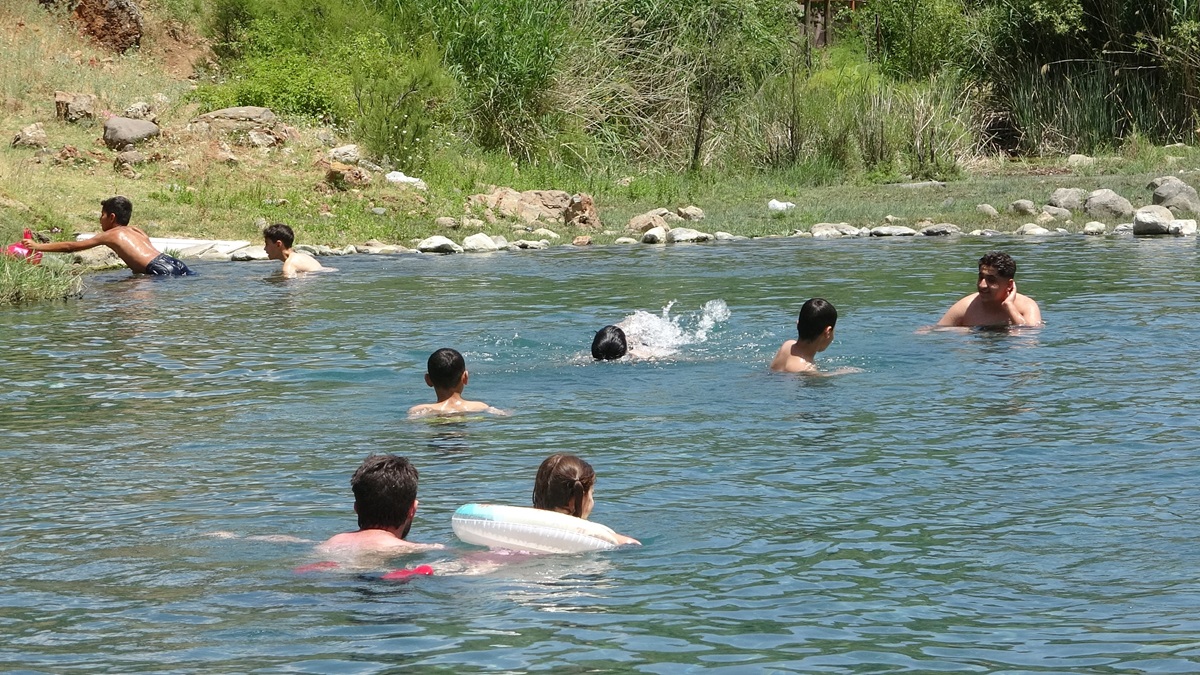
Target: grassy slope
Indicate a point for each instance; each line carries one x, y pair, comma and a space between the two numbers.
209, 198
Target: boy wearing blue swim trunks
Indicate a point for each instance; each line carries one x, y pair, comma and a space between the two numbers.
129, 243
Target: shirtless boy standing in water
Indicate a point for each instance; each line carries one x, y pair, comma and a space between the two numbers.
385, 499
997, 302
814, 333
278, 240
447, 374
128, 242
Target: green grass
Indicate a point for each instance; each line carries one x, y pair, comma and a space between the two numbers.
21, 282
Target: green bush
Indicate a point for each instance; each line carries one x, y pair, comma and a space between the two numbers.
504, 54
398, 100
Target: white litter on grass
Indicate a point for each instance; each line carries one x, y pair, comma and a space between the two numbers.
400, 178
776, 205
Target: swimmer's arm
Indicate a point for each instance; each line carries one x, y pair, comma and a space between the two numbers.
497, 411
101, 239
622, 540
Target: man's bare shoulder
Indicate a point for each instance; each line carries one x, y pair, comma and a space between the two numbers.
367, 541
957, 314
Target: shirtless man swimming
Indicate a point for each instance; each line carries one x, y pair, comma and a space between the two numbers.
385, 499
997, 302
128, 242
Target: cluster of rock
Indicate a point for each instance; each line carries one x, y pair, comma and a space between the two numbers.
1171, 198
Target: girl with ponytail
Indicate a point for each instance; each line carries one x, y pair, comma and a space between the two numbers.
564, 483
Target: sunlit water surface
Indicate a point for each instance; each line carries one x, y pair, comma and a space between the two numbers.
970, 502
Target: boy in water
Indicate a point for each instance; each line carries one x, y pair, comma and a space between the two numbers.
814, 331
609, 344
446, 372
129, 243
996, 302
385, 499
278, 240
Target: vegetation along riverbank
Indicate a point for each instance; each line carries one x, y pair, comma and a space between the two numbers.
638, 104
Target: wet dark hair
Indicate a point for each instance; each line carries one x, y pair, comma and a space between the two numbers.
609, 344
385, 487
280, 232
560, 479
815, 316
120, 207
1003, 263
445, 368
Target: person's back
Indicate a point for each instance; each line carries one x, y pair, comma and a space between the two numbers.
814, 329
385, 499
446, 372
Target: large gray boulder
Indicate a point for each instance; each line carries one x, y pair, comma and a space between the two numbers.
71, 107
1033, 229
480, 242
1056, 212
1071, 199
1175, 194
1107, 204
654, 235
686, 235
1023, 207
892, 231
1152, 220
438, 244
122, 131
647, 221
941, 230
833, 230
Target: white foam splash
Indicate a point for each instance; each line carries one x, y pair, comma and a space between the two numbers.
653, 336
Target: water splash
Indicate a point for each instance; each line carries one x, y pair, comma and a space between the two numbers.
653, 336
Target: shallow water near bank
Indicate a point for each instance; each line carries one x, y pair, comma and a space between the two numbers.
971, 502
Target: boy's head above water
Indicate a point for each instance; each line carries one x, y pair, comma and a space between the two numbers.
119, 207
609, 344
445, 369
816, 317
280, 233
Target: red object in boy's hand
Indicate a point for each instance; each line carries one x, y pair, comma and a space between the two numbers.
406, 574
19, 250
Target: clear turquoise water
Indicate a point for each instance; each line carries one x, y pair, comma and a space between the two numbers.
971, 502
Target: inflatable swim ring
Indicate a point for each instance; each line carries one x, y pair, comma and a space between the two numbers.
519, 528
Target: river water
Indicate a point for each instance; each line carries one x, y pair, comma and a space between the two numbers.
970, 502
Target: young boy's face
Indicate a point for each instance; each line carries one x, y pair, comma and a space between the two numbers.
274, 248
107, 220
